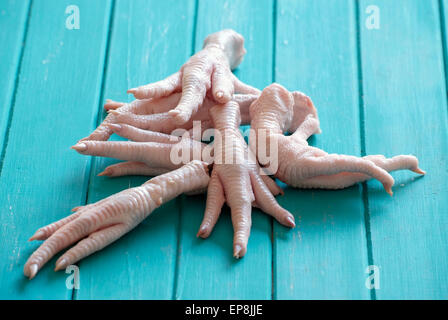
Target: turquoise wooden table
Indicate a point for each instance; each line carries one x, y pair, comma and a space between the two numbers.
376, 74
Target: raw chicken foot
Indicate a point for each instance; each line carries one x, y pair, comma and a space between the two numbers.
209, 68
300, 165
97, 225
148, 161
152, 114
238, 183
149, 153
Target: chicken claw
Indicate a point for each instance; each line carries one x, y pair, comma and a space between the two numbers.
300, 165
152, 114
209, 68
236, 180
97, 225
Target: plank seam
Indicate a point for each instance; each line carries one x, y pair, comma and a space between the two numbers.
16, 85
274, 57
365, 196
100, 100
179, 225
444, 44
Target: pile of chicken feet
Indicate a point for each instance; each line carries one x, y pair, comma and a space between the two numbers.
164, 141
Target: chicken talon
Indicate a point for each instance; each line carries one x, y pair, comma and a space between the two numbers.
238, 251
132, 168
80, 147
388, 189
39, 235
34, 268
300, 165
209, 68
203, 232
99, 224
266, 201
222, 84
61, 264
290, 221
151, 153
105, 172
273, 187
215, 201
158, 89
240, 182
419, 171
112, 105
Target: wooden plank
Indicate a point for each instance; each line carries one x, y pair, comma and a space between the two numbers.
443, 13
207, 269
13, 22
406, 113
150, 40
325, 256
42, 179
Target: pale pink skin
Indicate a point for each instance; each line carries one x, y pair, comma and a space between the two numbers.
209, 69
153, 149
148, 153
152, 114
97, 225
237, 183
300, 165
190, 95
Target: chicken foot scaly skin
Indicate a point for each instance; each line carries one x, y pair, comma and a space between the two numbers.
133, 167
163, 122
238, 183
152, 114
300, 165
208, 69
97, 225
136, 107
149, 153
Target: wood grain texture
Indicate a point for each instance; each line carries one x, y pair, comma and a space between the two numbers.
13, 21
406, 113
443, 14
207, 269
150, 40
325, 256
42, 178
56, 84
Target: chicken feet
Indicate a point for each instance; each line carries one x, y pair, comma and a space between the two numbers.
97, 225
152, 114
208, 69
300, 165
236, 180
